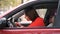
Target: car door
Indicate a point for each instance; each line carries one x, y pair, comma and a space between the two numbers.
40, 5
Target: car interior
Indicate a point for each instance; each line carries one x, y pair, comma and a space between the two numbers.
46, 16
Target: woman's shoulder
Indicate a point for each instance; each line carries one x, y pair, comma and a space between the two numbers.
38, 22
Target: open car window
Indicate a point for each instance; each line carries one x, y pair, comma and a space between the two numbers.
20, 21
19, 18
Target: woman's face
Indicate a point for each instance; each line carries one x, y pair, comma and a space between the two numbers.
27, 18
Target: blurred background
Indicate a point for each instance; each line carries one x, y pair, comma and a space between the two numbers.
9, 4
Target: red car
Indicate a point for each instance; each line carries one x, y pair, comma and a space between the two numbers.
46, 5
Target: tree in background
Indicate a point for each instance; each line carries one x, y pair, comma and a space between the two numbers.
4, 3
9, 3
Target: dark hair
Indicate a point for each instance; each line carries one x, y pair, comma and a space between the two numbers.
50, 13
31, 13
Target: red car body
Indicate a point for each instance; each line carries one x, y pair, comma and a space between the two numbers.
29, 30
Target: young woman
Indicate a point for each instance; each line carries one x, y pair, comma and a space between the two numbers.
31, 15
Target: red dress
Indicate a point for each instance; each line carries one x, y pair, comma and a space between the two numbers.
38, 22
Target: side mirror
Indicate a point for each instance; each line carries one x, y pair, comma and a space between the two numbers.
3, 23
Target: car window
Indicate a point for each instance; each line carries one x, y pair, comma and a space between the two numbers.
21, 21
